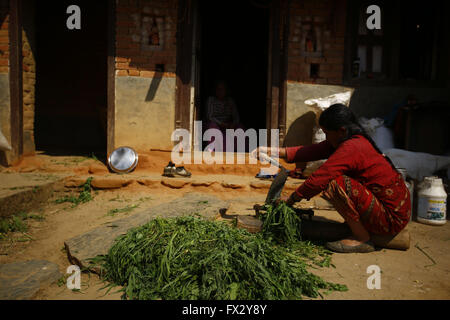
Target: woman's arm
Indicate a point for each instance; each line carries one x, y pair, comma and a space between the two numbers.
313, 152
293, 199
347, 158
269, 151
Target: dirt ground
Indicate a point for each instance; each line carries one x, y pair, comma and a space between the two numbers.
422, 272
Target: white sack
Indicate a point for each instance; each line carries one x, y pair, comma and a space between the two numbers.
418, 165
382, 135
4, 144
324, 103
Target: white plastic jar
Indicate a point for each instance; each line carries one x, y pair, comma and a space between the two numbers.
410, 186
432, 202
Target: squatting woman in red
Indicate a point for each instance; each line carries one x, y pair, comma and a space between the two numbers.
361, 183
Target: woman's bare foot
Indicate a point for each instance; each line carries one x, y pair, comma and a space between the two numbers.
353, 242
351, 246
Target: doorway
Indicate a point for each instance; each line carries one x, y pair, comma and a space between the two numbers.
71, 79
234, 43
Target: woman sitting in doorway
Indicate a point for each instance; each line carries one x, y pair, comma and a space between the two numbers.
222, 113
361, 183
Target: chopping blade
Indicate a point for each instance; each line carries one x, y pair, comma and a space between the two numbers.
277, 186
278, 183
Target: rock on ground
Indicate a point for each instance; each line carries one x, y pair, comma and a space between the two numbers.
22, 280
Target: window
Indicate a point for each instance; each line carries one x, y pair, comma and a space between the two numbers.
152, 35
370, 46
408, 48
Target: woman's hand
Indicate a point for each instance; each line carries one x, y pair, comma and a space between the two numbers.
268, 151
255, 153
293, 199
290, 201
283, 199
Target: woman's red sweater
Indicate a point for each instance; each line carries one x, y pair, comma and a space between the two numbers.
355, 158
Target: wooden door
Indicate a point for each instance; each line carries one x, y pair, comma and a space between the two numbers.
277, 79
184, 38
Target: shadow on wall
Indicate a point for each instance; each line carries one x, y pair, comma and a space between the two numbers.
147, 41
301, 131
156, 80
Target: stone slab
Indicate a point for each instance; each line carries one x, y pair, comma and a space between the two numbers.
323, 204
99, 241
22, 280
110, 182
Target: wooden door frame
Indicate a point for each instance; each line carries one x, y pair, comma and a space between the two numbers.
111, 77
277, 68
184, 39
16, 77
278, 63
284, 61
273, 79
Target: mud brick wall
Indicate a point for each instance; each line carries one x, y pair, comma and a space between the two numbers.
29, 77
5, 104
313, 73
29, 81
4, 38
135, 55
145, 73
328, 19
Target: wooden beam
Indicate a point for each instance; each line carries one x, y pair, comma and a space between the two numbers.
269, 76
184, 64
15, 77
275, 65
283, 70
350, 46
111, 85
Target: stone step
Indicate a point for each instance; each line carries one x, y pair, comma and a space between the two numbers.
23, 192
154, 181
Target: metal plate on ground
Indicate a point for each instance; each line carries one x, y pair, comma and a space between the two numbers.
123, 160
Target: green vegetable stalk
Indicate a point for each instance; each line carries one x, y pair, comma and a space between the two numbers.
281, 224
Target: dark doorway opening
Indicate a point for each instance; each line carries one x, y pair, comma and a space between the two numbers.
71, 79
418, 44
234, 47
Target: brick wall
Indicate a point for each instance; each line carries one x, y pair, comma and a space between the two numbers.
29, 72
5, 115
135, 56
29, 85
4, 37
328, 19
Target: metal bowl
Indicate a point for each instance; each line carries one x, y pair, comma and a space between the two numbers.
123, 160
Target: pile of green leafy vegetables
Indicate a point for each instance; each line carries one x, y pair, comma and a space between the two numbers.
190, 258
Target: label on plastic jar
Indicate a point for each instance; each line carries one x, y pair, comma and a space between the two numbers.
431, 209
